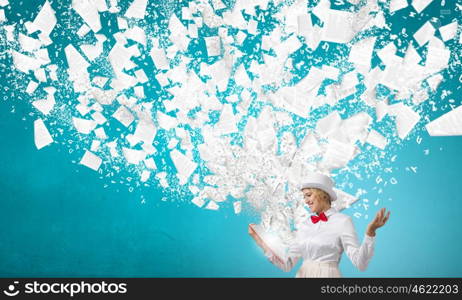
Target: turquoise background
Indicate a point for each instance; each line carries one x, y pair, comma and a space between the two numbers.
57, 218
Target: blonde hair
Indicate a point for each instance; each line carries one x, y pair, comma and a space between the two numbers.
322, 194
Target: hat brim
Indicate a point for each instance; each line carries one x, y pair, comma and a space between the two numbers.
330, 192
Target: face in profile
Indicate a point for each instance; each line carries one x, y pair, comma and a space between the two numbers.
316, 199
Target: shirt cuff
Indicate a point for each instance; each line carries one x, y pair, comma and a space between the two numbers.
268, 254
369, 239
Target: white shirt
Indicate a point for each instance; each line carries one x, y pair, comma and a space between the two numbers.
325, 242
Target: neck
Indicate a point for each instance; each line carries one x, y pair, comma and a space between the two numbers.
324, 210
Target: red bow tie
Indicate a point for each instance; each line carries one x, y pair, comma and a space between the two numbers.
322, 217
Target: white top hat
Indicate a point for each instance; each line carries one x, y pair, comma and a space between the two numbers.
320, 181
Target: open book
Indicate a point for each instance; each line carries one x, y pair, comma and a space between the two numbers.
273, 241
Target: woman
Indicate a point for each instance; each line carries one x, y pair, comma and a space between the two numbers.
321, 240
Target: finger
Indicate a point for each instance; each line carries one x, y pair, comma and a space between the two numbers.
386, 218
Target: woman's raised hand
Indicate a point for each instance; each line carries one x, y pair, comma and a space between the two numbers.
380, 219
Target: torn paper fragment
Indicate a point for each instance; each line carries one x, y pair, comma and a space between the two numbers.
45, 21
183, 164
84, 29
328, 124
42, 137
95, 145
434, 81
133, 156
28, 44
212, 205
448, 124
165, 121
420, 5
2, 16
396, 5
448, 32
145, 132
213, 45
136, 34
237, 207
45, 106
406, 118
89, 13
227, 122
25, 63
145, 176
344, 200
337, 28
424, 34
83, 125
361, 54
31, 87
137, 9
99, 132
376, 139
124, 116
160, 59
198, 201
150, 164
91, 160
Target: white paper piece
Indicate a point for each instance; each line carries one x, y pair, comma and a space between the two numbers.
2, 16
150, 164
136, 34
160, 59
100, 133
424, 34
328, 124
83, 30
448, 32
95, 145
83, 125
124, 116
237, 207
198, 201
89, 13
227, 122
31, 87
145, 176
42, 136
213, 45
337, 28
45, 21
361, 54
133, 156
28, 44
338, 154
91, 160
344, 200
137, 9
434, 81
183, 164
145, 132
25, 63
448, 124
45, 106
165, 121
420, 5
212, 205
406, 118
376, 139
396, 5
